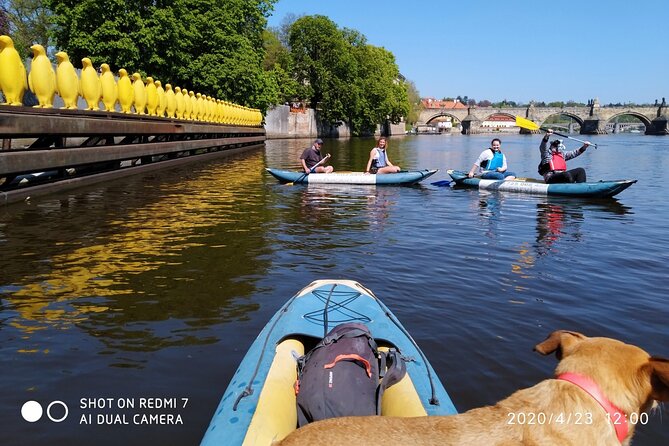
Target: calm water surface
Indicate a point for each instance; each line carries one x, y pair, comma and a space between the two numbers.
154, 286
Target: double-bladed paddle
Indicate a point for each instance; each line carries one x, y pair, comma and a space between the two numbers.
531, 125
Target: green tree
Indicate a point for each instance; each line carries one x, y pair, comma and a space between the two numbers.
4, 21
323, 65
27, 22
278, 64
213, 47
415, 104
344, 77
381, 94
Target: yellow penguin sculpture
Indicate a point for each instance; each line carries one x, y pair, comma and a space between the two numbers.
188, 104
13, 79
91, 89
109, 88
67, 81
219, 111
162, 101
42, 78
140, 94
170, 101
126, 94
200, 106
181, 104
210, 109
194, 106
151, 96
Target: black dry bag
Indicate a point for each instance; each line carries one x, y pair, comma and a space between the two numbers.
345, 375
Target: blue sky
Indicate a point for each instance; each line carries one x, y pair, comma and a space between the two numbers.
614, 50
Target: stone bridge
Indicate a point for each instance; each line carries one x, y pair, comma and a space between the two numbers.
592, 118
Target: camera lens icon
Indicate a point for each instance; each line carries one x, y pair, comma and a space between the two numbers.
32, 411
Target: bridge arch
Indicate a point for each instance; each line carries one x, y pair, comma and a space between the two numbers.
563, 113
440, 115
643, 118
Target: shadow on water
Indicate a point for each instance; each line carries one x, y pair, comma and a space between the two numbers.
127, 278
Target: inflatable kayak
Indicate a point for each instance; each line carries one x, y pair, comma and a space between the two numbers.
402, 177
259, 405
599, 189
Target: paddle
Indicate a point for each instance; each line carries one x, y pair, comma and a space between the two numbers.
299, 180
442, 183
531, 125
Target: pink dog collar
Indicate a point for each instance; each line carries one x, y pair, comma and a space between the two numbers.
616, 416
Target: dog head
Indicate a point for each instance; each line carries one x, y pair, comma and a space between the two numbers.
631, 378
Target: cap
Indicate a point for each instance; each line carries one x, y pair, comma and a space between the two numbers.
318, 141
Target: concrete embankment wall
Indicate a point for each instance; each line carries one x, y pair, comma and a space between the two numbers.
281, 122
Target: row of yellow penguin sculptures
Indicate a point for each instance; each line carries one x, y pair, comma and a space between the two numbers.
132, 94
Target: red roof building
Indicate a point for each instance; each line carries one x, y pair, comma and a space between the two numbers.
432, 103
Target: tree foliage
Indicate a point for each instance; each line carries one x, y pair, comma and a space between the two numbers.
415, 104
213, 47
27, 22
344, 77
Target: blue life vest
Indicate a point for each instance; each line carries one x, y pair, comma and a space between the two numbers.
381, 161
496, 161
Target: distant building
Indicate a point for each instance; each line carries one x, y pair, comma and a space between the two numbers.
432, 103
499, 121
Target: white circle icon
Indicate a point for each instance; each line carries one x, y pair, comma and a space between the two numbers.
48, 411
31, 411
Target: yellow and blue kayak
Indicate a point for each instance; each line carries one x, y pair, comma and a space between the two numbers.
404, 177
599, 189
259, 406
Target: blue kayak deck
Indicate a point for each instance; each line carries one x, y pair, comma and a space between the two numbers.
309, 314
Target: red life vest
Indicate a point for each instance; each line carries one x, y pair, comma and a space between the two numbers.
557, 161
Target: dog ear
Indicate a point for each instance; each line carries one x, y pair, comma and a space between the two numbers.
659, 378
558, 342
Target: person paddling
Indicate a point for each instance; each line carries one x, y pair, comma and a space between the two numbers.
312, 157
554, 159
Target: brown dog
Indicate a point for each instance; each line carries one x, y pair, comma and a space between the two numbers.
562, 411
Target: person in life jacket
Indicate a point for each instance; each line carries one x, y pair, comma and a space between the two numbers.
554, 159
378, 159
491, 163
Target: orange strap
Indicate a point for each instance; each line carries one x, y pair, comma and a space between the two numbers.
353, 357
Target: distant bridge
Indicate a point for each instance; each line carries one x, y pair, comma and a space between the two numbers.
592, 119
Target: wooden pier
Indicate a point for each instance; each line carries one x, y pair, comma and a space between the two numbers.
48, 150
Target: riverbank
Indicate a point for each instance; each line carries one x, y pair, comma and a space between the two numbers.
284, 121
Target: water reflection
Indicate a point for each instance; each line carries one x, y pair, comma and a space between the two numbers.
552, 224
136, 262
490, 209
562, 219
335, 207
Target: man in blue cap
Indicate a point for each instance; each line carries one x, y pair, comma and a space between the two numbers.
312, 157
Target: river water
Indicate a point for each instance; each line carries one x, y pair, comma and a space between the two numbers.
148, 290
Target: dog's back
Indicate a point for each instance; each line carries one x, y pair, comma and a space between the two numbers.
553, 412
